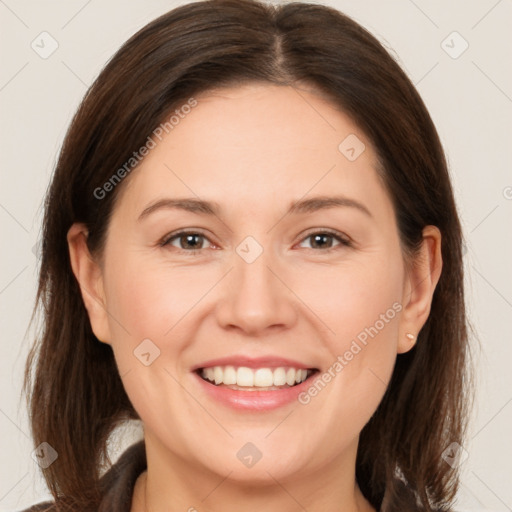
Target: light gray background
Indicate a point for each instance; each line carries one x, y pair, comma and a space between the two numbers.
469, 98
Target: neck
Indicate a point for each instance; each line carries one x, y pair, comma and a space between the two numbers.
172, 484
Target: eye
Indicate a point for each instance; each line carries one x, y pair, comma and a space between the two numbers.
321, 240
189, 241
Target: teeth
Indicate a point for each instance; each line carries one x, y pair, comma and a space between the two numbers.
229, 376
209, 374
244, 376
264, 377
218, 375
279, 377
260, 378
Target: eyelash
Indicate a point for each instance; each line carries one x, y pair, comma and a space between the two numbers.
344, 241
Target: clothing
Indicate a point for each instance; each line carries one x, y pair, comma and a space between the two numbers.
118, 482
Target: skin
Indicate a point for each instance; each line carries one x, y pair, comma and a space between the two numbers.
254, 149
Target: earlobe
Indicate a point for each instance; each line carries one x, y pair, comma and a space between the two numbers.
89, 276
419, 287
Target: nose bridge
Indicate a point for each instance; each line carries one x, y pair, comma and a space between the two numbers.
255, 298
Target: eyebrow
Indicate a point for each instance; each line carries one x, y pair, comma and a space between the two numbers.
202, 207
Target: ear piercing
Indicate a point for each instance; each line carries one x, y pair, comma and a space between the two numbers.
411, 337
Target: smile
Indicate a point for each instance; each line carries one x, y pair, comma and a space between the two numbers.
253, 384
255, 379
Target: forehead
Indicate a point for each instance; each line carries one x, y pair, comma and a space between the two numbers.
255, 143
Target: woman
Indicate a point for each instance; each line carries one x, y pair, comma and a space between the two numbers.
251, 244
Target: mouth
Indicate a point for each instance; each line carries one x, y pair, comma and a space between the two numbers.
243, 378
256, 389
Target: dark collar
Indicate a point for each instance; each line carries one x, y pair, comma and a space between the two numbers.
116, 484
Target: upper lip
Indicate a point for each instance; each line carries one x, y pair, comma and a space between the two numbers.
252, 362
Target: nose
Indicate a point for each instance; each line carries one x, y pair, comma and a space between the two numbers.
256, 298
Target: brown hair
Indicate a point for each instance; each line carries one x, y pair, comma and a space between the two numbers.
76, 397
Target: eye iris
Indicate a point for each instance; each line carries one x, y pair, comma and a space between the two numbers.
188, 238
321, 236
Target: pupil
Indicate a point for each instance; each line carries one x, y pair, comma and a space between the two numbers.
316, 237
190, 238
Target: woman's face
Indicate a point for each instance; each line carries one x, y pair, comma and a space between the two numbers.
276, 278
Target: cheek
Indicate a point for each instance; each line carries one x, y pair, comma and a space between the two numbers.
359, 299
361, 308
368, 334
149, 311
148, 303
150, 299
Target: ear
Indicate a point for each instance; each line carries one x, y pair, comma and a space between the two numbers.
419, 287
90, 279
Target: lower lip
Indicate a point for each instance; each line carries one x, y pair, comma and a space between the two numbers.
254, 400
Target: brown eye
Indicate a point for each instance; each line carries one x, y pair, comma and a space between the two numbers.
189, 241
324, 240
